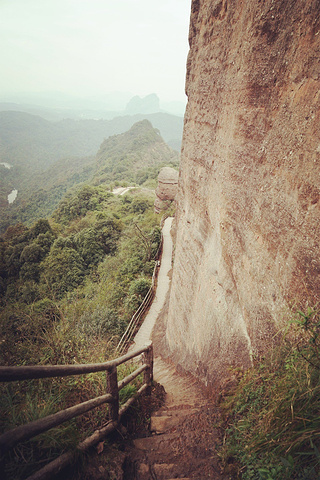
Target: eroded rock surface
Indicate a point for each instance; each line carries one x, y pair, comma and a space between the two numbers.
248, 202
167, 188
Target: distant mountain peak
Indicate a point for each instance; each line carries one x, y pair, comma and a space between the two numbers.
148, 104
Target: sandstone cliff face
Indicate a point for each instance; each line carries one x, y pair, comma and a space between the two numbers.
166, 190
248, 202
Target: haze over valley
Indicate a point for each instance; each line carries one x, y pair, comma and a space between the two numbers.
47, 157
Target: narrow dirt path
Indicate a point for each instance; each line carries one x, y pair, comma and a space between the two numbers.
121, 190
144, 334
183, 432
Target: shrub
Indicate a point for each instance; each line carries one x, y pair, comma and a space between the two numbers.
63, 270
272, 418
102, 321
140, 287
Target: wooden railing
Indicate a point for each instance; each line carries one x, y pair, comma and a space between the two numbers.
138, 315
24, 432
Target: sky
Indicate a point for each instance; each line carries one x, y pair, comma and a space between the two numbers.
92, 47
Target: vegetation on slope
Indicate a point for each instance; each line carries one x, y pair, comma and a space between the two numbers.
32, 144
69, 287
135, 156
272, 416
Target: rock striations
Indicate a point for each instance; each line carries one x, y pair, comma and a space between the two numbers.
248, 220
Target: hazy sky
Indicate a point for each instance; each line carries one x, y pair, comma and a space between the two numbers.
91, 47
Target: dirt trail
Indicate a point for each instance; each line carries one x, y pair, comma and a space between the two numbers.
121, 190
144, 334
183, 433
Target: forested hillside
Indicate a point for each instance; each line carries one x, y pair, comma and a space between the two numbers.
133, 156
49, 157
31, 142
68, 287
120, 158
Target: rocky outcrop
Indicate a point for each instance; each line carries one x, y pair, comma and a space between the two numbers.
248, 203
167, 189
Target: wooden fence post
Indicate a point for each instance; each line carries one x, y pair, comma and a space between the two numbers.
112, 388
148, 360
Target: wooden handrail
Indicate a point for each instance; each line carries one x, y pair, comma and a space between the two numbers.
24, 432
54, 467
131, 377
134, 322
9, 374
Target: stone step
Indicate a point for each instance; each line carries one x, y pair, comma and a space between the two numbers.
164, 423
161, 471
182, 411
155, 442
165, 420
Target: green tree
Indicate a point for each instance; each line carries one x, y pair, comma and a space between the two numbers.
31, 253
45, 240
63, 270
140, 287
140, 205
13, 259
42, 226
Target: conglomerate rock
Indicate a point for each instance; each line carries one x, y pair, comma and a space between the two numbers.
248, 220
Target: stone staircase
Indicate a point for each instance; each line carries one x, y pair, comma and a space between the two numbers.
183, 435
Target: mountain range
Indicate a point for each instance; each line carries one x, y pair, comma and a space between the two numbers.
49, 158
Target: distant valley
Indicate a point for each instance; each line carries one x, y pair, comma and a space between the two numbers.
47, 158
55, 106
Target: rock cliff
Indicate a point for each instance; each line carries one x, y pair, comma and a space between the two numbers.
166, 190
248, 203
